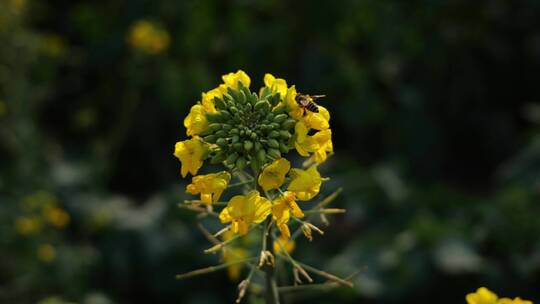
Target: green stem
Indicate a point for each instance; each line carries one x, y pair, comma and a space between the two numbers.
271, 289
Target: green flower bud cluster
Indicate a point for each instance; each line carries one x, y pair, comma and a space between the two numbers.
248, 129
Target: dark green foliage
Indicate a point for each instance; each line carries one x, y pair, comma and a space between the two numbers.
435, 122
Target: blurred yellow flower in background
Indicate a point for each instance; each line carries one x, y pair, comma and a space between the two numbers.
210, 186
284, 243
56, 216
148, 37
28, 225
233, 255
46, 253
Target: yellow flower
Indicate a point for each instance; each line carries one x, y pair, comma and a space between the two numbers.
208, 97
273, 175
319, 144
46, 253
306, 184
323, 140
210, 186
514, 301
318, 121
482, 296
196, 122
28, 225
284, 243
56, 217
191, 153
294, 110
276, 85
233, 255
303, 143
148, 37
232, 79
242, 211
281, 212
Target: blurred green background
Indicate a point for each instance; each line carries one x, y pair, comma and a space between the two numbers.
435, 115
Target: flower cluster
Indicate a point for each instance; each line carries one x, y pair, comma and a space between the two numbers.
238, 128
41, 212
148, 37
250, 134
486, 296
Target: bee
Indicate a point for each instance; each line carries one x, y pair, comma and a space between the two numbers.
308, 102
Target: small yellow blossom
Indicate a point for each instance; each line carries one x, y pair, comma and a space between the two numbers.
210, 186
276, 85
243, 210
46, 253
320, 144
294, 110
196, 121
281, 212
284, 243
27, 225
232, 79
318, 121
57, 217
517, 300
303, 143
208, 98
148, 37
323, 140
191, 153
273, 175
482, 296
306, 184
233, 255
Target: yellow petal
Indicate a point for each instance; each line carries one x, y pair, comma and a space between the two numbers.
244, 210
196, 122
294, 110
276, 85
317, 121
210, 186
232, 255
263, 209
324, 145
306, 184
304, 144
273, 175
482, 296
284, 243
208, 98
232, 79
191, 153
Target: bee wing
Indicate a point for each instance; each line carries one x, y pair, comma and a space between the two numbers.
317, 96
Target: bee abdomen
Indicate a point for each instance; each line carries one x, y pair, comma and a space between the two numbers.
312, 107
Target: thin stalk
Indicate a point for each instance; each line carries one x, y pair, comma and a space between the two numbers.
211, 269
271, 289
